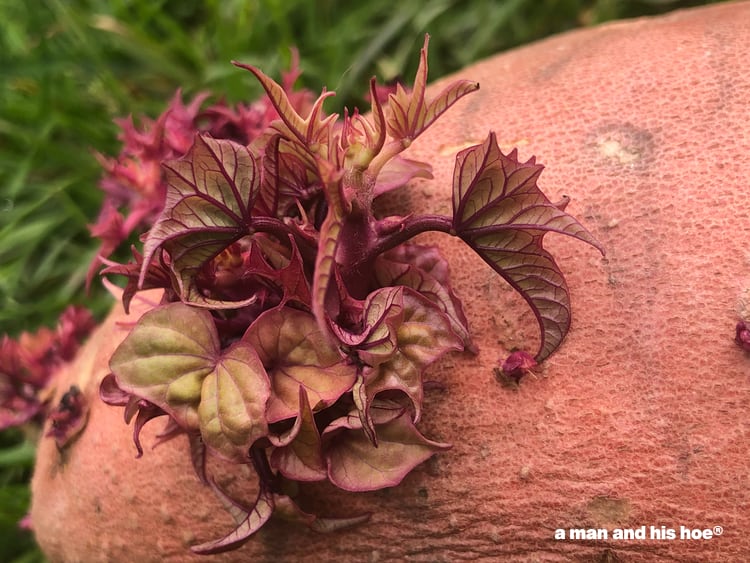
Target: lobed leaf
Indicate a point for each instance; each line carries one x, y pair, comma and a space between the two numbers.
500, 212
297, 353
409, 113
210, 195
290, 278
311, 131
151, 276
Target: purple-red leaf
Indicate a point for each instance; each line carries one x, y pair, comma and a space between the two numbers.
302, 459
500, 212
517, 364
354, 464
423, 269
423, 335
409, 113
290, 278
290, 176
399, 171
296, 353
69, 417
210, 196
742, 335
249, 520
312, 130
151, 276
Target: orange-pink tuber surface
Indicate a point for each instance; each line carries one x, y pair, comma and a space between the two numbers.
641, 418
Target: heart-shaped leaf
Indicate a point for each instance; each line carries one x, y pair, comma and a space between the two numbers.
172, 358
232, 409
166, 357
500, 212
210, 195
296, 352
355, 464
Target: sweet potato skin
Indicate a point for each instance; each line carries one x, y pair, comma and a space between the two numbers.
641, 417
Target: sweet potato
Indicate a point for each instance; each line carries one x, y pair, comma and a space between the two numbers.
639, 419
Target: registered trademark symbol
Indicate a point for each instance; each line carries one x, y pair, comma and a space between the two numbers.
718, 530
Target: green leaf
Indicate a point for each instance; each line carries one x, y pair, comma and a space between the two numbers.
355, 464
500, 212
296, 353
172, 358
166, 357
232, 410
210, 195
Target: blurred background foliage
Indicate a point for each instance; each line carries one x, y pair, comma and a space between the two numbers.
70, 66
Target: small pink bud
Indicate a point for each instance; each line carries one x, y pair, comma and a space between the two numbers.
743, 336
518, 364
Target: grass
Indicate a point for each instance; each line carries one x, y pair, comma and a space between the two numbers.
71, 66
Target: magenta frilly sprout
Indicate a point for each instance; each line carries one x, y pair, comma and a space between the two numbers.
742, 335
28, 364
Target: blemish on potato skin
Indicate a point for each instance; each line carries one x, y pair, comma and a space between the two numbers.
605, 511
524, 474
188, 538
622, 145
